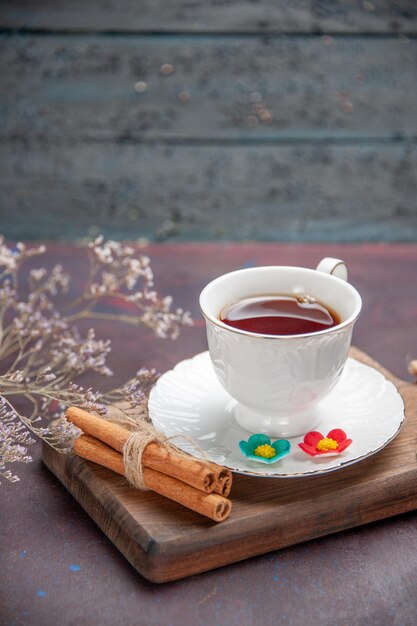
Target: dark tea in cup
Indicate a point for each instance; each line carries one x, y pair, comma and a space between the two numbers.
280, 315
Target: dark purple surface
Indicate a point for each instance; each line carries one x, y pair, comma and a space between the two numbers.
57, 567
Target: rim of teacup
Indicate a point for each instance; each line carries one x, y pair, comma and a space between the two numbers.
334, 329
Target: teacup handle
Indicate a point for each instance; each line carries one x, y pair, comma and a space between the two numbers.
336, 267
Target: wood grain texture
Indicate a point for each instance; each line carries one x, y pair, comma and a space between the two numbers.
164, 542
264, 16
309, 192
83, 152
64, 89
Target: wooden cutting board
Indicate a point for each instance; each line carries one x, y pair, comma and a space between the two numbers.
164, 541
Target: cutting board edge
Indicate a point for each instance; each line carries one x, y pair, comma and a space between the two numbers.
171, 559
160, 562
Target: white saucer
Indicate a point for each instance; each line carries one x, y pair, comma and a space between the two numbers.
188, 400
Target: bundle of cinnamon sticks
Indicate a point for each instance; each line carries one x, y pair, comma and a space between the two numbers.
199, 485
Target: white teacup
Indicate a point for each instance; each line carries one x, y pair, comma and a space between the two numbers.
279, 380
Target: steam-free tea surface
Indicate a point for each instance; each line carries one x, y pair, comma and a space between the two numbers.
280, 315
164, 541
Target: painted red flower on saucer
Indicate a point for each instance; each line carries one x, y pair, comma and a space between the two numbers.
333, 443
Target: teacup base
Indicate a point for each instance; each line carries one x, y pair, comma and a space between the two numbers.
273, 425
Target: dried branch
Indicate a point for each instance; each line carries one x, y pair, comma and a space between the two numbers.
43, 353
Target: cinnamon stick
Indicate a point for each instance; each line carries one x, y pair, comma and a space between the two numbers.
210, 505
207, 477
224, 483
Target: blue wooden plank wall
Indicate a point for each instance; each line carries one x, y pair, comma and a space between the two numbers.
268, 120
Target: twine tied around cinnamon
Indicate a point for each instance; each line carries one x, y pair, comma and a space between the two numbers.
143, 434
135, 446
127, 443
133, 451
130, 446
